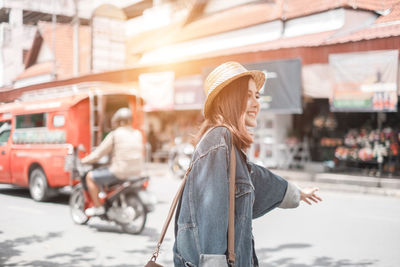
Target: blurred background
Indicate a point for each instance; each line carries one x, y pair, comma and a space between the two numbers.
329, 116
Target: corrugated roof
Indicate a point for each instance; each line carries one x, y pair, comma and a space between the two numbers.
248, 15
325, 38
372, 4
308, 40
235, 18
373, 32
393, 15
299, 8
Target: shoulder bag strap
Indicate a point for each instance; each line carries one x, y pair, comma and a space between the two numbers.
231, 222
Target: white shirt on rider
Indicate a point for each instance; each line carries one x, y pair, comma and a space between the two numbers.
125, 145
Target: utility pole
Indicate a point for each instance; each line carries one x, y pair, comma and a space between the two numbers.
76, 24
53, 39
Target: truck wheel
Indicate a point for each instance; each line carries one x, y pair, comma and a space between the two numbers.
38, 185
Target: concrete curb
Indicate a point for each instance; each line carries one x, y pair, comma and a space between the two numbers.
343, 182
324, 181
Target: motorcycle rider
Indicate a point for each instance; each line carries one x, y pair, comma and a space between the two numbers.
126, 150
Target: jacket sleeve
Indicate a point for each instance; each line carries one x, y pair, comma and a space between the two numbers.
291, 198
104, 148
271, 191
210, 199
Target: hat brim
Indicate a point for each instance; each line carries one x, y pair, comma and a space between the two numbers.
258, 77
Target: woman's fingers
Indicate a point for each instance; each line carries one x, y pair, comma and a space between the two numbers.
309, 195
306, 200
313, 199
317, 197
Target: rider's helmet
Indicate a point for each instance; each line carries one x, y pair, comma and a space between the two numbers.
123, 115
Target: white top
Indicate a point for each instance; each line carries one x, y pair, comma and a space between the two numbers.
125, 146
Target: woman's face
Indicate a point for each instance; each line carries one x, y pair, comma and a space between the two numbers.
253, 106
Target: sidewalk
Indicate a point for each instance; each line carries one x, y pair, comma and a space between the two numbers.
325, 181
343, 182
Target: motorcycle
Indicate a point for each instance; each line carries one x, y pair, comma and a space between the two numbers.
126, 203
179, 157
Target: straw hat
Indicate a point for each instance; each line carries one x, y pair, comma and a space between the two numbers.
225, 74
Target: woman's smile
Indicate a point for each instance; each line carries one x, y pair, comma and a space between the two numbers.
253, 107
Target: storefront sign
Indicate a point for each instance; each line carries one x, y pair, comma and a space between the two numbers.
157, 90
189, 93
316, 81
282, 90
365, 81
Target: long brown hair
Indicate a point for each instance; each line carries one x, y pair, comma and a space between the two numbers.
228, 109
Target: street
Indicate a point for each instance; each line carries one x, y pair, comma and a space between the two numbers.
344, 230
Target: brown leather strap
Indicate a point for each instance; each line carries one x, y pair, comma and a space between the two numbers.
231, 222
170, 214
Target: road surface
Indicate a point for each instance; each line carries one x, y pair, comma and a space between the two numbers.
344, 230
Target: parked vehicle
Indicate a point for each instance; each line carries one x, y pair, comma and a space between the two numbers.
180, 157
126, 202
39, 134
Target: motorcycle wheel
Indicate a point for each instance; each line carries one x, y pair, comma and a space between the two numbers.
136, 226
77, 206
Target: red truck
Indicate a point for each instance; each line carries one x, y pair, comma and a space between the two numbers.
42, 135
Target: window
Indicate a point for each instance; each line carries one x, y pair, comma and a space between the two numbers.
4, 136
31, 120
5, 129
58, 121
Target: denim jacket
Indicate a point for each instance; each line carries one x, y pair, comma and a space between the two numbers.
201, 220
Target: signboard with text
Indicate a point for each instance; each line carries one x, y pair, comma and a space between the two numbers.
157, 90
364, 81
189, 93
282, 90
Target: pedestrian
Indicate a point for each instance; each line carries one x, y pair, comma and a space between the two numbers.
202, 216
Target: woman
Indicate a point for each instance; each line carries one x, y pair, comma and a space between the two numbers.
202, 216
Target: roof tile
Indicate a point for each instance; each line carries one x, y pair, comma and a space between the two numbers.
311, 40
392, 16
373, 32
299, 8
247, 15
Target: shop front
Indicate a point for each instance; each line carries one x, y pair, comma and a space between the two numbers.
173, 110
280, 98
356, 131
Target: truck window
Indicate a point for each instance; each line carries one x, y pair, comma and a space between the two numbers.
31, 120
5, 130
4, 136
58, 121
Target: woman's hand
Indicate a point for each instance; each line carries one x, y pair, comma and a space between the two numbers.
308, 194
